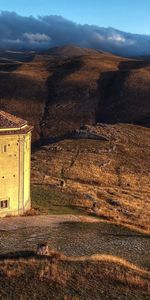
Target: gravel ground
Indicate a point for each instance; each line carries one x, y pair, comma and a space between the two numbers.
71, 237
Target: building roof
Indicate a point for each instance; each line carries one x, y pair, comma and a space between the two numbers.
9, 121
10, 124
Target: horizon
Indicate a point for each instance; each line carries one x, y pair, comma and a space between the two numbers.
110, 26
128, 17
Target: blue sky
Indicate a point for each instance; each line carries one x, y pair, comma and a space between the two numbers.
127, 15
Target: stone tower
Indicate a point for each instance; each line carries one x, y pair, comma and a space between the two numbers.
15, 156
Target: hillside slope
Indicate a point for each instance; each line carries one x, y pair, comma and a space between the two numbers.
113, 170
70, 51
59, 93
95, 277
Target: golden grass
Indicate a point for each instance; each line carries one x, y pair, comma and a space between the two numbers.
113, 173
61, 274
76, 90
109, 259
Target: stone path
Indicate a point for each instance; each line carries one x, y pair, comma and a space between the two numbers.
72, 237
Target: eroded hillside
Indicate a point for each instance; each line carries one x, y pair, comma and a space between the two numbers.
58, 93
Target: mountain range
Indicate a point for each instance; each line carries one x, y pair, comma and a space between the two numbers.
44, 32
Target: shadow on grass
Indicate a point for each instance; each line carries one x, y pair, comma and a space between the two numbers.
24, 255
17, 255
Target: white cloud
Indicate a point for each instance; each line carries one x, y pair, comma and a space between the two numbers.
18, 32
117, 38
36, 37
11, 41
111, 38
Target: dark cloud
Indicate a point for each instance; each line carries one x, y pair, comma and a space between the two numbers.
17, 32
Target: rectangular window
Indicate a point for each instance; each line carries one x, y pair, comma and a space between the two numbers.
4, 148
3, 203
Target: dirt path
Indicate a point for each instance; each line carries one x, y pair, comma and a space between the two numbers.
74, 236
13, 223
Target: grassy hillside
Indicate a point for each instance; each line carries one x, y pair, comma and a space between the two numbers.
59, 90
96, 277
113, 171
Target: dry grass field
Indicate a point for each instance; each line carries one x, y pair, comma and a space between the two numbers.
69, 278
115, 172
59, 90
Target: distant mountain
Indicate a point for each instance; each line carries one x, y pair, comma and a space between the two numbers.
16, 55
42, 33
70, 51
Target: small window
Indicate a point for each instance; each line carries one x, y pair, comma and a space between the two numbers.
3, 203
5, 148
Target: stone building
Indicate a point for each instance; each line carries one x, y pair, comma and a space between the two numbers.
15, 155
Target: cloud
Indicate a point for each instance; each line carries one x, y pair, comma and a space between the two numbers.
117, 38
18, 32
36, 37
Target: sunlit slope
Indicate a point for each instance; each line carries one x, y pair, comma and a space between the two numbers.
58, 93
114, 171
96, 277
